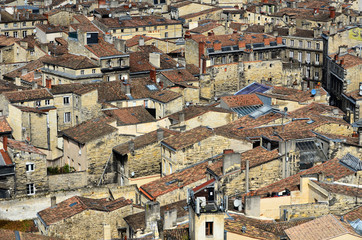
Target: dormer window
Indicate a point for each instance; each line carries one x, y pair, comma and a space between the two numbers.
82, 72
47, 102
38, 103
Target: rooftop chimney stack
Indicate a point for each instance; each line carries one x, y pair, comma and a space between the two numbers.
160, 134
5, 143
53, 201
332, 12
141, 41
155, 59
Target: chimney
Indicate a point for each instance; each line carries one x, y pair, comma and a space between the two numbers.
292, 30
266, 41
17, 81
201, 52
34, 85
107, 232
217, 45
279, 40
5, 143
120, 45
131, 146
152, 215
360, 136
48, 83
128, 88
160, 134
316, 11
231, 161
247, 176
332, 12
317, 32
187, 34
141, 41
53, 201
153, 75
181, 117
155, 59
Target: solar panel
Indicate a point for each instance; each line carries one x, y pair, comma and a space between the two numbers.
253, 88
152, 87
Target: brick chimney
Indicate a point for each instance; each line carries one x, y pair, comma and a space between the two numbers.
187, 34
266, 41
201, 52
48, 83
5, 143
153, 75
332, 12
241, 44
217, 45
279, 40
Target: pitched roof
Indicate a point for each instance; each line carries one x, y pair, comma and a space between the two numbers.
71, 61
325, 227
242, 100
258, 156
179, 179
354, 214
329, 168
28, 95
195, 111
144, 140
137, 21
205, 27
340, 189
179, 75
77, 204
130, 115
188, 138
76, 88
103, 49
89, 130
15, 235
4, 126
291, 94
134, 41
23, 146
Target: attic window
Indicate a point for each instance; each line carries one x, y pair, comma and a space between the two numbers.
171, 182
151, 87
72, 204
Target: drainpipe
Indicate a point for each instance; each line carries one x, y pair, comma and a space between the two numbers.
247, 176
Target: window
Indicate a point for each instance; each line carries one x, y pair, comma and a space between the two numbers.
291, 54
24, 24
170, 168
30, 189
7, 34
122, 30
300, 43
284, 41
136, 29
300, 56
308, 57
155, 27
317, 45
15, 34
144, 29
6, 25
292, 43
31, 52
317, 58
93, 71
66, 100
47, 102
38, 103
209, 227
15, 24
82, 72
166, 34
309, 44
30, 167
166, 27
316, 74
67, 117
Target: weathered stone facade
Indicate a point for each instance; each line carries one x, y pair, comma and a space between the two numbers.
288, 212
67, 181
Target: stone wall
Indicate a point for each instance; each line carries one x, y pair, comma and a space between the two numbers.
89, 224
26, 207
303, 210
226, 78
259, 177
340, 204
67, 181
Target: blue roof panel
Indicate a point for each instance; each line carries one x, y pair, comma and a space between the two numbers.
253, 88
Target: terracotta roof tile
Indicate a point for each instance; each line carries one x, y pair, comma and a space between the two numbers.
341, 189
354, 214
103, 48
4, 125
205, 27
242, 100
28, 95
12, 235
89, 130
258, 156
71, 61
23, 146
5, 157
195, 111
179, 75
137, 21
130, 115
76, 204
134, 41
188, 138
144, 140
326, 227
330, 168
349, 60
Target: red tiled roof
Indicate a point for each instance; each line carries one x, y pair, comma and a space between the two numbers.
103, 49
28, 95
130, 115
6, 157
341, 189
329, 168
137, 21
23, 146
134, 41
242, 100
326, 227
354, 214
4, 125
349, 60
179, 75
71, 61
12, 234
76, 204
196, 189
89, 130
195, 111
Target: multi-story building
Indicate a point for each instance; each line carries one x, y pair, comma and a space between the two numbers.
19, 24
128, 27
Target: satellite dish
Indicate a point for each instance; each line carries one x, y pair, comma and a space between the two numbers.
314, 92
237, 203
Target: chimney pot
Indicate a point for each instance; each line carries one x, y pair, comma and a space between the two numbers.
332, 12
228, 151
